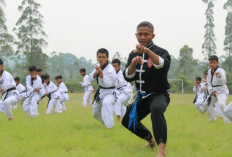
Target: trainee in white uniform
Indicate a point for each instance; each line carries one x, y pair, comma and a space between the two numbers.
36, 91
53, 94
124, 92
218, 89
199, 99
104, 98
63, 92
88, 87
21, 89
10, 95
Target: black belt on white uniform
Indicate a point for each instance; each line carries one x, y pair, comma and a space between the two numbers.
121, 87
22, 92
216, 86
10, 89
96, 95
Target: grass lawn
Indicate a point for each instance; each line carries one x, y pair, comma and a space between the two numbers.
76, 133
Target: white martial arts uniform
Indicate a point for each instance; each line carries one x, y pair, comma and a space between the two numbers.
218, 84
124, 95
228, 111
63, 95
88, 90
30, 105
10, 95
199, 97
21, 89
54, 98
103, 110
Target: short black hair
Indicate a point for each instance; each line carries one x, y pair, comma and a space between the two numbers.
103, 50
146, 24
17, 79
213, 58
198, 78
32, 68
39, 70
1, 62
58, 77
205, 72
46, 76
116, 61
83, 69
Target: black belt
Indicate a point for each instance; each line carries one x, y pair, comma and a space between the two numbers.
10, 89
22, 92
216, 86
106, 87
65, 92
121, 87
53, 92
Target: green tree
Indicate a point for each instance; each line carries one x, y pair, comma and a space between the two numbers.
228, 37
209, 46
186, 62
6, 39
29, 29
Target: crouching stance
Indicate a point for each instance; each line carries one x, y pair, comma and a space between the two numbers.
22, 91
10, 95
148, 66
63, 92
88, 87
53, 94
199, 99
36, 91
104, 98
124, 92
218, 89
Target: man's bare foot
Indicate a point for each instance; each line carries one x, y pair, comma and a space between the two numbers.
109, 129
161, 150
203, 113
118, 119
151, 143
11, 119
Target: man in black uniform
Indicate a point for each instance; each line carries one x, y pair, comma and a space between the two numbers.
148, 66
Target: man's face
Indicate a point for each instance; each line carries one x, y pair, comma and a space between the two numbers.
46, 80
213, 64
102, 59
198, 81
82, 73
1, 67
58, 81
144, 35
33, 72
40, 73
16, 82
116, 66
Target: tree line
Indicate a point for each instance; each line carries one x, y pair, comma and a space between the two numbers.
31, 41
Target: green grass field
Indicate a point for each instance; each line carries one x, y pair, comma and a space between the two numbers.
76, 133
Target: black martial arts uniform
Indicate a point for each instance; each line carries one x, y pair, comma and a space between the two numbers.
151, 81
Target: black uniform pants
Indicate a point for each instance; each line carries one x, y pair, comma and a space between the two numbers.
155, 104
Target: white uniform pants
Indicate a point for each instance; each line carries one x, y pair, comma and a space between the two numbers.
119, 108
218, 111
64, 97
199, 104
221, 98
103, 111
52, 105
6, 105
87, 98
30, 105
21, 100
228, 111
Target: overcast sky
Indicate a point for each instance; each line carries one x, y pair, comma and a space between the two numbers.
81, 27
